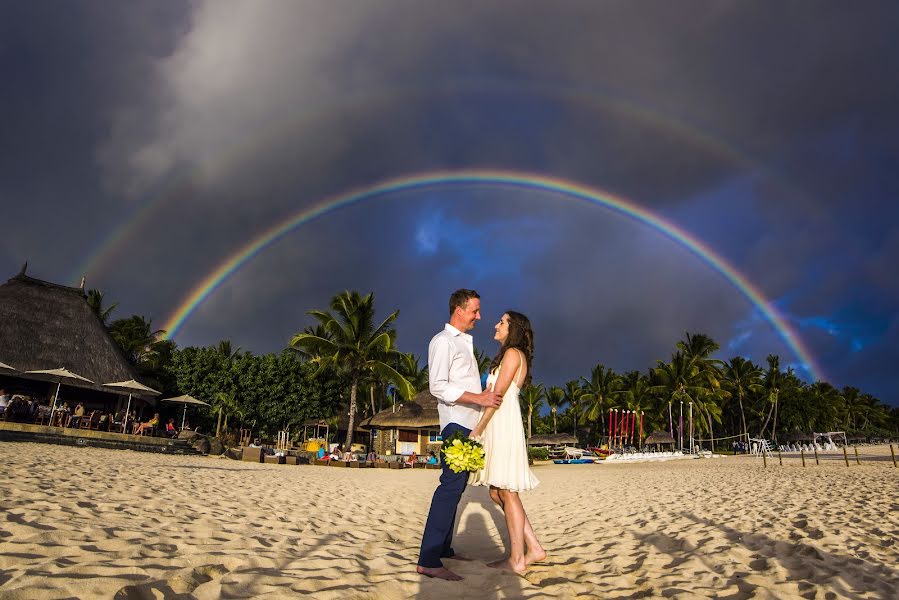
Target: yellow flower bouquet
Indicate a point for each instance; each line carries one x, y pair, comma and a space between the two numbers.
462, 453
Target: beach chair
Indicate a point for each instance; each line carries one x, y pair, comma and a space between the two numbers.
91, 422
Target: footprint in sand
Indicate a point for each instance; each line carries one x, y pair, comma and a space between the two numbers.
181, 584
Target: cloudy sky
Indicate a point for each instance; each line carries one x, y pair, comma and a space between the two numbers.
144, 144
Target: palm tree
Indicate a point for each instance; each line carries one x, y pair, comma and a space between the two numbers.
555, 398
355, 345
698, 346
532, 398
136, 337
483, 361
414, 373
227, 351
597, 391
636, 394
572, 397
741, 378
95, 301
684, 379
772, 381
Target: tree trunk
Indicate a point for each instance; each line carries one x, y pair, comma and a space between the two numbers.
530, 414
768, 418
371, 390
225, 424
742, 415
774, 426
352, 416
555, 430
218, 425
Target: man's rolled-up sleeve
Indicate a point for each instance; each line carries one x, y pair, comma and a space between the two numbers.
440, 353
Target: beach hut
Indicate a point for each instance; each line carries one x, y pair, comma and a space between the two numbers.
552, 439
45, 326
798, 436
659, 438
406, 428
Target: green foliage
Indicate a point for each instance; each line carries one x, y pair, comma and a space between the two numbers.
538, 453
272, 391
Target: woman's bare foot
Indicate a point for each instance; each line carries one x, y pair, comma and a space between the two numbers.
508, 565
439, 573
534, 556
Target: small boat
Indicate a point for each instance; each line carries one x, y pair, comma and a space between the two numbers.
573, 461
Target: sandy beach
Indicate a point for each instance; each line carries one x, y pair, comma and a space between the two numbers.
93, 523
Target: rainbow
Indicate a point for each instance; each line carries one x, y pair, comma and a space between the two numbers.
152, 203
212, 281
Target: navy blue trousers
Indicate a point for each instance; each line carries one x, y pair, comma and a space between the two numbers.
437, 540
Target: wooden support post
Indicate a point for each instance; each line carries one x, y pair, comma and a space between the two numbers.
765, 459
856, 455
815, 448
802, 454
893, 452
845, 456
780, 458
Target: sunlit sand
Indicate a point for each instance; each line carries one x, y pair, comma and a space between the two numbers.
92, 523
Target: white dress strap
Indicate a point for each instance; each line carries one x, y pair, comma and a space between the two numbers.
520, 364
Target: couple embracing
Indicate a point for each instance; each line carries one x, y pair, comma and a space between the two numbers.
492, 416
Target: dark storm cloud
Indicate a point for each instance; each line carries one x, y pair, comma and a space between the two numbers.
769, 134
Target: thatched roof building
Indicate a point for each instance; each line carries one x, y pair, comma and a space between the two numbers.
420, 413
798, 436
552, 439
659, 437
46, 326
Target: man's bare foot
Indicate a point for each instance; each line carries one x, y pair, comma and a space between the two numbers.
457, 557
535, 556
439, 573
508, 565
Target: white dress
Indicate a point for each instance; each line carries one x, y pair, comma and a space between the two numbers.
505, 449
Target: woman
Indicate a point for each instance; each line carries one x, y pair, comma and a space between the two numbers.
148, 425
500, 430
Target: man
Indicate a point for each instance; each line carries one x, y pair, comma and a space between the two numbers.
454, 379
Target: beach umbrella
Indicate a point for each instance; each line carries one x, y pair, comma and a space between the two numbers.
5, 367
134, 388
58, 376
185, 400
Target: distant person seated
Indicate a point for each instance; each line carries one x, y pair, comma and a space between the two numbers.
149, 425
170, 428
4, 401
335, 454
75, 419
103, 422
320, 455
255, 444
117, 420
372, 457
62, 415
432, 458
348, 456
412, 460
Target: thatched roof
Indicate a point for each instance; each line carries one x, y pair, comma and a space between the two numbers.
552, 439
798, 436
659, 437
420, 413
46, 326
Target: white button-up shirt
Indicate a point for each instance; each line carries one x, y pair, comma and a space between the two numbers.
453, 370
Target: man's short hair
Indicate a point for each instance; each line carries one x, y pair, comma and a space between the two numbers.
461, 298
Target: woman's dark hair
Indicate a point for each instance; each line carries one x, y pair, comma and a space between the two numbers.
521, 336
